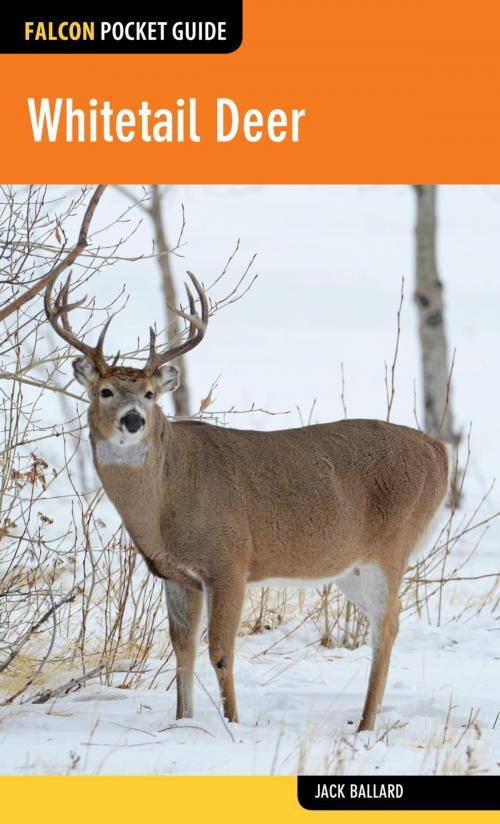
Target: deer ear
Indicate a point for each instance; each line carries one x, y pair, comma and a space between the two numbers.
85, 372
167, 378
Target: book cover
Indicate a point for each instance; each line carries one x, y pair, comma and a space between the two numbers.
249, 522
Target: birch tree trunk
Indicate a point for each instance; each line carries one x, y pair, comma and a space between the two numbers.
438, 411
181, 396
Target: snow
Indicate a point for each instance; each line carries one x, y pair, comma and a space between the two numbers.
330, 261
297, 708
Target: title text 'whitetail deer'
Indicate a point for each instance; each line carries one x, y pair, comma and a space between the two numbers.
213, 509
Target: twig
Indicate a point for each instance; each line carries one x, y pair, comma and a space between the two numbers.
448, 389
47, 695
221, 716
391, 393
186, 727
458, 578
342, 390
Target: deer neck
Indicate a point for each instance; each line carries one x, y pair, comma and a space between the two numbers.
139, 484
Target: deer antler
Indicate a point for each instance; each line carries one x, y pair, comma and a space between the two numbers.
197, 328
57, 310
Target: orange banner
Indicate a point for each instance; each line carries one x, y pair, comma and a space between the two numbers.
377, 91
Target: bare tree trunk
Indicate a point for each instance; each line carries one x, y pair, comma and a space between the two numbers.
181, 396
438, 418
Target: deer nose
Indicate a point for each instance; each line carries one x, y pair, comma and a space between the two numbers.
132, 421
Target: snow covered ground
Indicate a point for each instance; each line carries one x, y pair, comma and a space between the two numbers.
330, 263
297, 709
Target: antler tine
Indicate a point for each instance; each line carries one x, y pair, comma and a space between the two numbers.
192, 308
58, 309
197, 328
152, 347
194, 319
202, 296
62, 305
99, 349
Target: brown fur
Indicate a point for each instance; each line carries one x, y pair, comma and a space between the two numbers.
216, 507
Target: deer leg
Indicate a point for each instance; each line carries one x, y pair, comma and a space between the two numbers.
184, 614
383, 607
224, 612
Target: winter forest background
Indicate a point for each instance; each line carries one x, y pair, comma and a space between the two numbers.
324, 304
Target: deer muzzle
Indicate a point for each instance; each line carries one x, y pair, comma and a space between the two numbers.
132, 421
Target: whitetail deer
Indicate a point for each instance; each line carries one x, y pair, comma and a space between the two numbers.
213, 509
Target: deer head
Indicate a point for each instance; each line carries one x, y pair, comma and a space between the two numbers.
122, 398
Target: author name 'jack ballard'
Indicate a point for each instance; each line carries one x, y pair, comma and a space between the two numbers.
372, 791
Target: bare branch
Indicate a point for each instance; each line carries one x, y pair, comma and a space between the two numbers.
63, 264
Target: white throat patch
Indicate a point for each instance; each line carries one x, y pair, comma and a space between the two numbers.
108, 453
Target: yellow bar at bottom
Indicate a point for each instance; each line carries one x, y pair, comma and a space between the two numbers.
201, 799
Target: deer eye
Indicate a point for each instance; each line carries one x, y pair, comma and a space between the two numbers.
149, 395
106, 393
